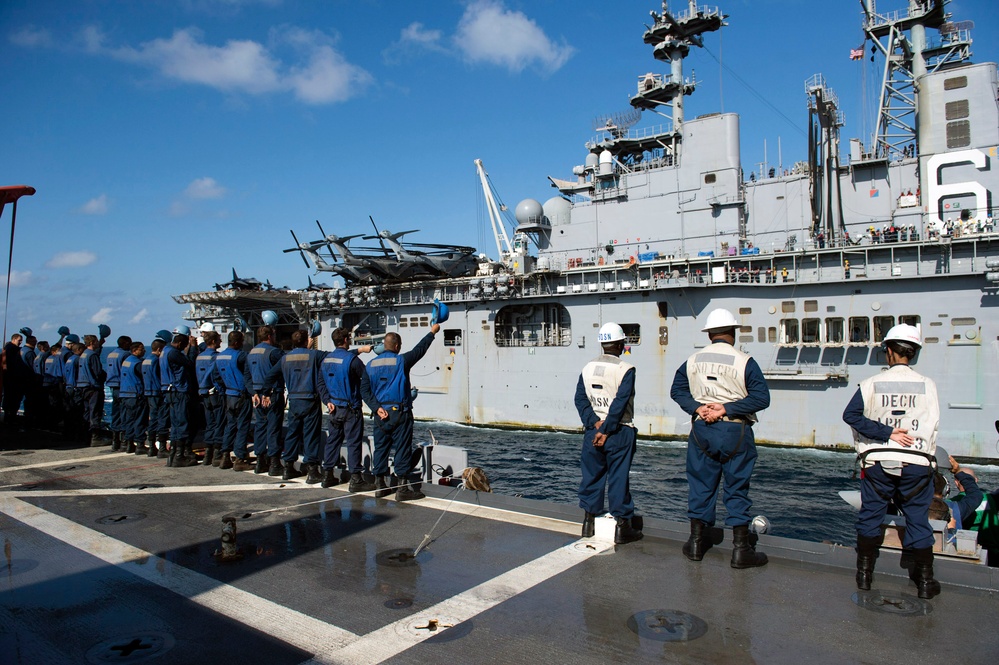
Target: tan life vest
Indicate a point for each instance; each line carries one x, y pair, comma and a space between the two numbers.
602, 378
717, 375
900, 397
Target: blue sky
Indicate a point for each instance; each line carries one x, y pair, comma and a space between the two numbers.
172, 140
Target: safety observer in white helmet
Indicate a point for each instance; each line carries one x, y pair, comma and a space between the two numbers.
895, 416
722, 389
605, 401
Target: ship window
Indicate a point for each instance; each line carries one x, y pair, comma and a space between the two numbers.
860, 330
745, 339
958, 134
452, 337
834, 331
882, 324
663, 336
424, 321
936, 323
532, 325
710, 178
761, 335
772, 335
787, 306
365, 325
957, 110
962, 322
956, 82
403, 322
811, 305
746, 329
909, 319
931, 340
632, 333
810, 331
745, 310
789, 331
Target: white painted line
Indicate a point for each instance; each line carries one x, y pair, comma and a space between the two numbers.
395, 638
283, 623
178, 489
68, 460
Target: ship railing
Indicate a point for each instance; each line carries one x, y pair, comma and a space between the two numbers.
636, 134
703, 10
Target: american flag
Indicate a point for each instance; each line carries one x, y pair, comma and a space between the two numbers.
857, 53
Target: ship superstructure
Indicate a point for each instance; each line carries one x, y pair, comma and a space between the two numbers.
659, 223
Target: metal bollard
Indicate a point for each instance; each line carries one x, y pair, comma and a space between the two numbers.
229, 552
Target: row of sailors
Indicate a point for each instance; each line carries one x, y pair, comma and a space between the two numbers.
159, 400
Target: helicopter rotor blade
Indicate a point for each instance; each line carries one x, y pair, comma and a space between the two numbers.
300, 251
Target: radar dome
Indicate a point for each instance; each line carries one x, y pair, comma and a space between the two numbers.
592, 159
557, 210
528, 211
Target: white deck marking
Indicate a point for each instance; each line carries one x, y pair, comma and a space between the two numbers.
68, 460
282, 622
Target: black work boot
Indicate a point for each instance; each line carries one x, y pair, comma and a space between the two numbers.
382, 485
97, 440
922, 573
743, 554
128, 446
330, 478
225, 460
209, 455
151, 446
276, 468
115, 442
163, 453
140, 447
589, 526
696, 546
241, 464
217, 459
410, 492
868, 550
185, 456
628, 529
359, 484
290, 471
263, 463
315, 474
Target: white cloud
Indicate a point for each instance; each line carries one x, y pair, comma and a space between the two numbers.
415, 34
204, 188
489, 32
17, 278
319, 75
140, 316
103, 315
95, 206
71, 259
178, 209
31, 37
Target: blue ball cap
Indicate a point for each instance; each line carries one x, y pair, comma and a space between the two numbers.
315, 328
63, 330
26, 331
440, 314
103, 331
182, 330
72, 339
269, 317
164, 335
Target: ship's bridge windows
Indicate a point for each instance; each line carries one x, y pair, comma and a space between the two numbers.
365, 325
789, 331
452, 337
882, 324
811, 305
834, 330
810, 331
546, 324
772, 335
787, 306
632, 333
860, 330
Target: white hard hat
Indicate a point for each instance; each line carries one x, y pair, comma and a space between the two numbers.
206, 327
610, 332
903, 332
719, 319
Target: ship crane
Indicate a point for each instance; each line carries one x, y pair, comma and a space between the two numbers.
504, 248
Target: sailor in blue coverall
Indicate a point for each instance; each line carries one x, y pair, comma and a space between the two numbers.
387, 391
268, 421
153, 390
177, 379
112, 367
306, 392
133, 414
234, 373
343, 371
211, 393
90, 389
605, 401
722, 389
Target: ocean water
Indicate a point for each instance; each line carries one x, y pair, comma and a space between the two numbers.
796, 489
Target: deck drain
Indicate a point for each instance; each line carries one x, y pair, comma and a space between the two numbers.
398, 603
71, 467
900, 604
144, 486
135, 648
400, 557
667, 625
12, 453
438, 628
17, 566
120, 518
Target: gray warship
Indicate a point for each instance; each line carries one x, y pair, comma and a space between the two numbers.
659, 224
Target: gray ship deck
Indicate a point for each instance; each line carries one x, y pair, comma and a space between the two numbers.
109, 558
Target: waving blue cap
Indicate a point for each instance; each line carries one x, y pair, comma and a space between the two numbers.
103, 331
63, 331
269, 317
315, 328
440, 314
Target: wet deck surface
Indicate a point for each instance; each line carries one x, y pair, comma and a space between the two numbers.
109, 558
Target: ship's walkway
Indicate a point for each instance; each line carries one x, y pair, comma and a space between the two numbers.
109, 558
